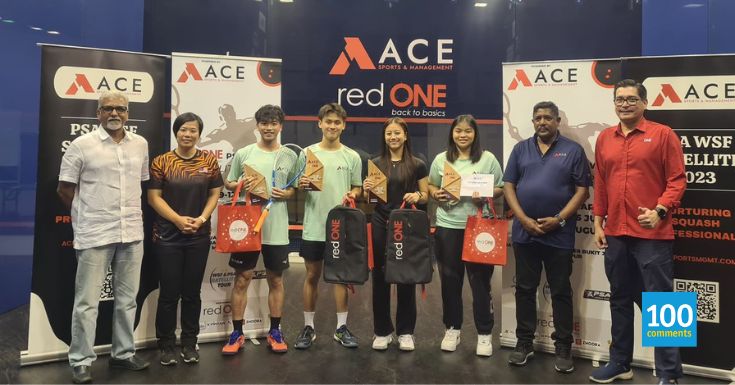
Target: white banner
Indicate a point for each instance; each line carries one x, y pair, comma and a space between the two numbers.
225, 91
583, 91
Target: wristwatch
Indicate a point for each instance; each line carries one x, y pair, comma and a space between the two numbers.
562, 222
661, 212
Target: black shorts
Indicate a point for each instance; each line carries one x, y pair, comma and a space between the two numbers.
275, 258
312, 250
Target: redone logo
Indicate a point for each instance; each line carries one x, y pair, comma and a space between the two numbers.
391, 57
484, 242
238, 230
89, 83
398, 239
544, 77
212, 72
691, 92
334, 235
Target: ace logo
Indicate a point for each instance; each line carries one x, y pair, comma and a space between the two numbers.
354, 51
543, 77
89, 83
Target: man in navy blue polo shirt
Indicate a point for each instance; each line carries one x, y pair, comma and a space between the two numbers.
546, 179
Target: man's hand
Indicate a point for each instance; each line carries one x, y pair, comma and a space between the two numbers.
600, 239
282, 195
548, 224
532, 226
304, 182
648, 218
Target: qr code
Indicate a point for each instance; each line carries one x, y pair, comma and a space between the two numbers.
106, 292
708, 298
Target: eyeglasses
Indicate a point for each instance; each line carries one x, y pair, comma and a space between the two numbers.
630, 99
118, 109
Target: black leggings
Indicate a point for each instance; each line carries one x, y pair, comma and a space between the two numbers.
406, 307
448, 247
181, 269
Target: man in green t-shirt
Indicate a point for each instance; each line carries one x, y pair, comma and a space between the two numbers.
342, 179
260, 156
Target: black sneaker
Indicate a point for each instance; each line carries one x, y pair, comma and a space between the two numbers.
520, 355
304, 340
345, 337
564, 362
168, 356
190, 354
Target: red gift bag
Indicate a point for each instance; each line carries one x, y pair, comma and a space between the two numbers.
485, 239
235, 226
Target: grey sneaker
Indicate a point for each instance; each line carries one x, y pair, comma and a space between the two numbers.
345, 337
304, 340
81, 374
130, 363
190, 354
520, 355
564, 362
168, 356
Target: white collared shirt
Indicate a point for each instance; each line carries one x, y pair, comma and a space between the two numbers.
107, 200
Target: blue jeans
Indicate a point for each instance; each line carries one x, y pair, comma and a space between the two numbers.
92, 265
634, 265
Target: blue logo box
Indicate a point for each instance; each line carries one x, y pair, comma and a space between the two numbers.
669, 319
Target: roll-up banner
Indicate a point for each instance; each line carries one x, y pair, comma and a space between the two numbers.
583, 91
225, 91
72, 80
695, 95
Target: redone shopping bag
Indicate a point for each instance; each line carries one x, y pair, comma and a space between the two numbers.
235, 224
346, 249
408, 249
485, 239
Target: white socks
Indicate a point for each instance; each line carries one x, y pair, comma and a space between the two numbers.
309, 319
341, 319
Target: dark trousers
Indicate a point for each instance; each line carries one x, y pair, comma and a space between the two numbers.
448, 247
406, 307
181, 269
634, 265
530, 258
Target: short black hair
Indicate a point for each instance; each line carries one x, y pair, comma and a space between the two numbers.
642, 93
269, 113
546, 106
185, 118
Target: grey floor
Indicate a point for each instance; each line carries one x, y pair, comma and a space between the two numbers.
326, 361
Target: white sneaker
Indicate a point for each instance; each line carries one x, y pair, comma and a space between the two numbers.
450, 340
382, 342
484, 345
405, 342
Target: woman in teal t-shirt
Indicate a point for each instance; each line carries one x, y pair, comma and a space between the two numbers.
465, 156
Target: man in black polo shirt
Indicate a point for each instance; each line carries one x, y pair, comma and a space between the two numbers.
546, 180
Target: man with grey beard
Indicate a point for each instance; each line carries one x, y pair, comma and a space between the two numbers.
100, 181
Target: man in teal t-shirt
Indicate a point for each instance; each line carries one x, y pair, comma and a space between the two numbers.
260, 157
342, 179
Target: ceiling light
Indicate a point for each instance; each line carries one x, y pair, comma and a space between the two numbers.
53, 32
480, 4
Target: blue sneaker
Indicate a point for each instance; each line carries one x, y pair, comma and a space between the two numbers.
276, 342
664, 381
345, 337
610, 372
